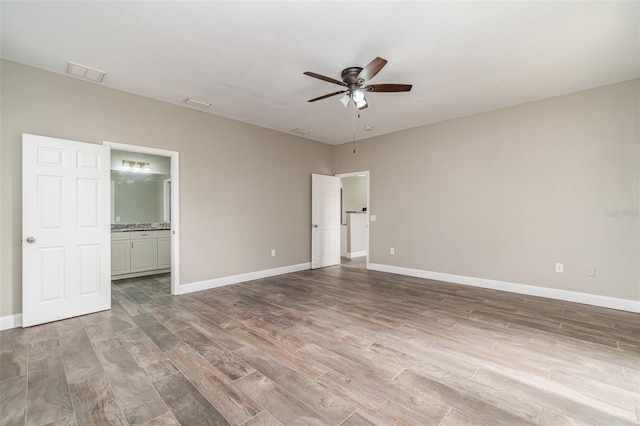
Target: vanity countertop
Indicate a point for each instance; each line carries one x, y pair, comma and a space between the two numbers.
130, 227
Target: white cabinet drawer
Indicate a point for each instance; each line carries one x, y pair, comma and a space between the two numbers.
137, 235
117, 236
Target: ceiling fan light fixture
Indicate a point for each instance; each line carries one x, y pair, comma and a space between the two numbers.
345, 100
357, 95
362, 104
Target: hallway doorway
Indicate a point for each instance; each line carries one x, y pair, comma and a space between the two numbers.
354, 211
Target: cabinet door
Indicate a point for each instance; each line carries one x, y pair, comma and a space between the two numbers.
164, 252
144, 254
120, 257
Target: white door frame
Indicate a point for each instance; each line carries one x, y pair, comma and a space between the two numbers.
175, 202
366, 172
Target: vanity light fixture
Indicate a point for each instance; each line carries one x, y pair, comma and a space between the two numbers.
136, 166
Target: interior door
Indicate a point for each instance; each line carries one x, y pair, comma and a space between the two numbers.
325, 221
66, 227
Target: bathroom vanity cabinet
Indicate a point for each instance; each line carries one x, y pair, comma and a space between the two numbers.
139, 253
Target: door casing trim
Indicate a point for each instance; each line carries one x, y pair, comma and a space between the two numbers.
175, 202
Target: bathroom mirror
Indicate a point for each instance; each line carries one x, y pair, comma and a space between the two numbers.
140, 197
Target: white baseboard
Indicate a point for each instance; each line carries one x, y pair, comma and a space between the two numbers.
356, 254
14, 321
235, 279
552, 293
10, 321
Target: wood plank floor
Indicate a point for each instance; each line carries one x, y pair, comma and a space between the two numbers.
336, 346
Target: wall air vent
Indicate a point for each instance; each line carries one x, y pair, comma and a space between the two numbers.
197, 103
85, 72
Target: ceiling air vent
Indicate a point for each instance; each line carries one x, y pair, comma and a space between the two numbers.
301, 131
197, 103
85, 72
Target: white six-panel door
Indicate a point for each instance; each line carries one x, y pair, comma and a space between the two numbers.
66, 229
325, 221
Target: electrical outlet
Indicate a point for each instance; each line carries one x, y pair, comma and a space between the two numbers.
392, 251
559, 267
372, 218
273, 252
591, 272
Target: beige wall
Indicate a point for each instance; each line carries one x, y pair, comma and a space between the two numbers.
243, 189
504, 195
501, 195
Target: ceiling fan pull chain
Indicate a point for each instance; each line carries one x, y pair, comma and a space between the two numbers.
354, 128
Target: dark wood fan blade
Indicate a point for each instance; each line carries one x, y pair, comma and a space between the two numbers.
388, 88
325, 78
327, 96
372, 69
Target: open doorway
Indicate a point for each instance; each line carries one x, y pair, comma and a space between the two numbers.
154, 247
354, 211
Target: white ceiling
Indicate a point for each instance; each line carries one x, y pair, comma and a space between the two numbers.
247, 58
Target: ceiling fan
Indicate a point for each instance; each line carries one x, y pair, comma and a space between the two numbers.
355, 80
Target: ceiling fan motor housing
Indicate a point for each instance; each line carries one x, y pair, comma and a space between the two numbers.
350, 75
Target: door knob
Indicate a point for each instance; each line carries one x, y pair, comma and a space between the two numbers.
315, 226
31, 240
